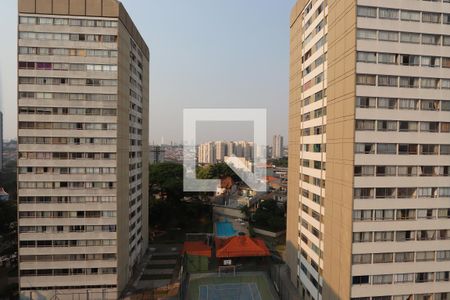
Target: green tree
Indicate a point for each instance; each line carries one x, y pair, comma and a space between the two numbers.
216, 171
167, 177
269, 216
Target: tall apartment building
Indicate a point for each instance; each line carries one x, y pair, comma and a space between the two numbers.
207, 153
277, 146
1, 140
221, 150
83, 88
370, 115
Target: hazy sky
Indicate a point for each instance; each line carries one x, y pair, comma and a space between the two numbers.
203, 54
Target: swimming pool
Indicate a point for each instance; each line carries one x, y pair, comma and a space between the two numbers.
225, 229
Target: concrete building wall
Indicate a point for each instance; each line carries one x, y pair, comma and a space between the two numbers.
340, 145
292, 236
87, 83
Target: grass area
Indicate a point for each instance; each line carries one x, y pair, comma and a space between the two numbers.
263, 284
160, 266
156, 276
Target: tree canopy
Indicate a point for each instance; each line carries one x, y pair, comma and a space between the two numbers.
269, 216
168, 178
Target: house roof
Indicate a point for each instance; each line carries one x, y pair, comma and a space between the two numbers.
197, 248
241, 246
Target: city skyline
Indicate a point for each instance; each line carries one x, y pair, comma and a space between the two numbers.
250, 72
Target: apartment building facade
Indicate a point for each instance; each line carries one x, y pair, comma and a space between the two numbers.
83, 102
369, 141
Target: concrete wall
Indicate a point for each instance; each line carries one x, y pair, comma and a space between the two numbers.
340, 139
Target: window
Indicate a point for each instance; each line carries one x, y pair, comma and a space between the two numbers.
402, 236
409, 104
365, 102
365, 148
386, 125
445, 105
387, 58
405, 277
429, 83
408, 125
365, 125
409, 149
409, 60
424, 277
363, 79
443, 276
361, 259
443, 255
404, 257
409, 82
425, 235
429, 105
445, 83
429, 126
408, 37
446, 18
364, 237
425, 256
384, 236
366, 34
429, 149
384, 80
446, 62
369, 57
430, 61
445, 150
385, 193
364, 170
407, 171
387, 13
387, 103
360, 279
431, 39
425, 214
363, 193
386, 170
386, 148
366, 11
382, 279
391, 36
362, 215
384, 214
429, 17
410, 15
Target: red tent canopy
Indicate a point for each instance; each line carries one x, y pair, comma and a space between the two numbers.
197, 248
241, 246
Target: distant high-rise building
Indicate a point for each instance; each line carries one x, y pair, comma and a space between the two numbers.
157, 154
368, 213
1, 140
221, 150
213, 152
207, 153
83, 104
277, 146
231, 148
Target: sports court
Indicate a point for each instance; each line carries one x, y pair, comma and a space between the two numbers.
225, 291
242, 286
